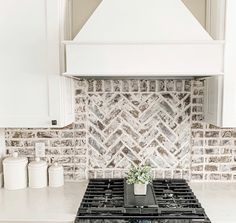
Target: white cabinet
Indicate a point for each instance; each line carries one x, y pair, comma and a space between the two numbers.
34, 101
220, 93
32, 91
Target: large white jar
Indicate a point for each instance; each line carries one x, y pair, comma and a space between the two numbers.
56, 175
38, 173
15, 172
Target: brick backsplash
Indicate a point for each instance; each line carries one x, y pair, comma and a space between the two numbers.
139, 122
213, 148
124, 122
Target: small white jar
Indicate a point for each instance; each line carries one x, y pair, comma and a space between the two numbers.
38, 173
56, 175
15, 172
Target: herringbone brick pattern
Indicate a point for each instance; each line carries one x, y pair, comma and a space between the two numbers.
136, 128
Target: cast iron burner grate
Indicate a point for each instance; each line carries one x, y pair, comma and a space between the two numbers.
113, 201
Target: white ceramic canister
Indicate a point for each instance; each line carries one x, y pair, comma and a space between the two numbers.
38, 177
15, 172
56, 175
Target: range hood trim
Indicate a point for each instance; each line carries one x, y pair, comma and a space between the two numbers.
191, 58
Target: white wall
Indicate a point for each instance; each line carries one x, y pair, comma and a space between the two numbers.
198, 9
82, 10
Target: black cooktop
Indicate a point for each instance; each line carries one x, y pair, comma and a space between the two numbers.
113, 201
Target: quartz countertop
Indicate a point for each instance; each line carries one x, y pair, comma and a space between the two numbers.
218, 199
60, 205
53, 205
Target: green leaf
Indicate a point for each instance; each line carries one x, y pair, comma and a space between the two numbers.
140, 174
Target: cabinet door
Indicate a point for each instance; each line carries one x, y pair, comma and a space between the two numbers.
31, 93
220, 93
213, 95
229, 99
61, 100
24, 86
23, 38
35, 101
24, 101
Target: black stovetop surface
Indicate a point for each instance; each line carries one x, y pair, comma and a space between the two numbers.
113, 201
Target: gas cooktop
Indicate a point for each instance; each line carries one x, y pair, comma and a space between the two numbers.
113, 201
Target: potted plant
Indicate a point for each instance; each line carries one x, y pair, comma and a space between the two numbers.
139, 177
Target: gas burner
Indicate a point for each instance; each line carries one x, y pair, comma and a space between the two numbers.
113, 201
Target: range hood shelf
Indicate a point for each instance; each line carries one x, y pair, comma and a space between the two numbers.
143, 38
132, 59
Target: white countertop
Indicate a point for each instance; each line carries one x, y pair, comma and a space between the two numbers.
218, 199
41, 205
61, 204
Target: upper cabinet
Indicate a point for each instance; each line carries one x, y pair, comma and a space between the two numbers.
220, 92
32, 91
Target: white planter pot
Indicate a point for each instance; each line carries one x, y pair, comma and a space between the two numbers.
140, 189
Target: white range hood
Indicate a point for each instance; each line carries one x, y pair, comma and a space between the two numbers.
143, 38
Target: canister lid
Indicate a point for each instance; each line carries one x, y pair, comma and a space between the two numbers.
37, 163
55, 167
15, 159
